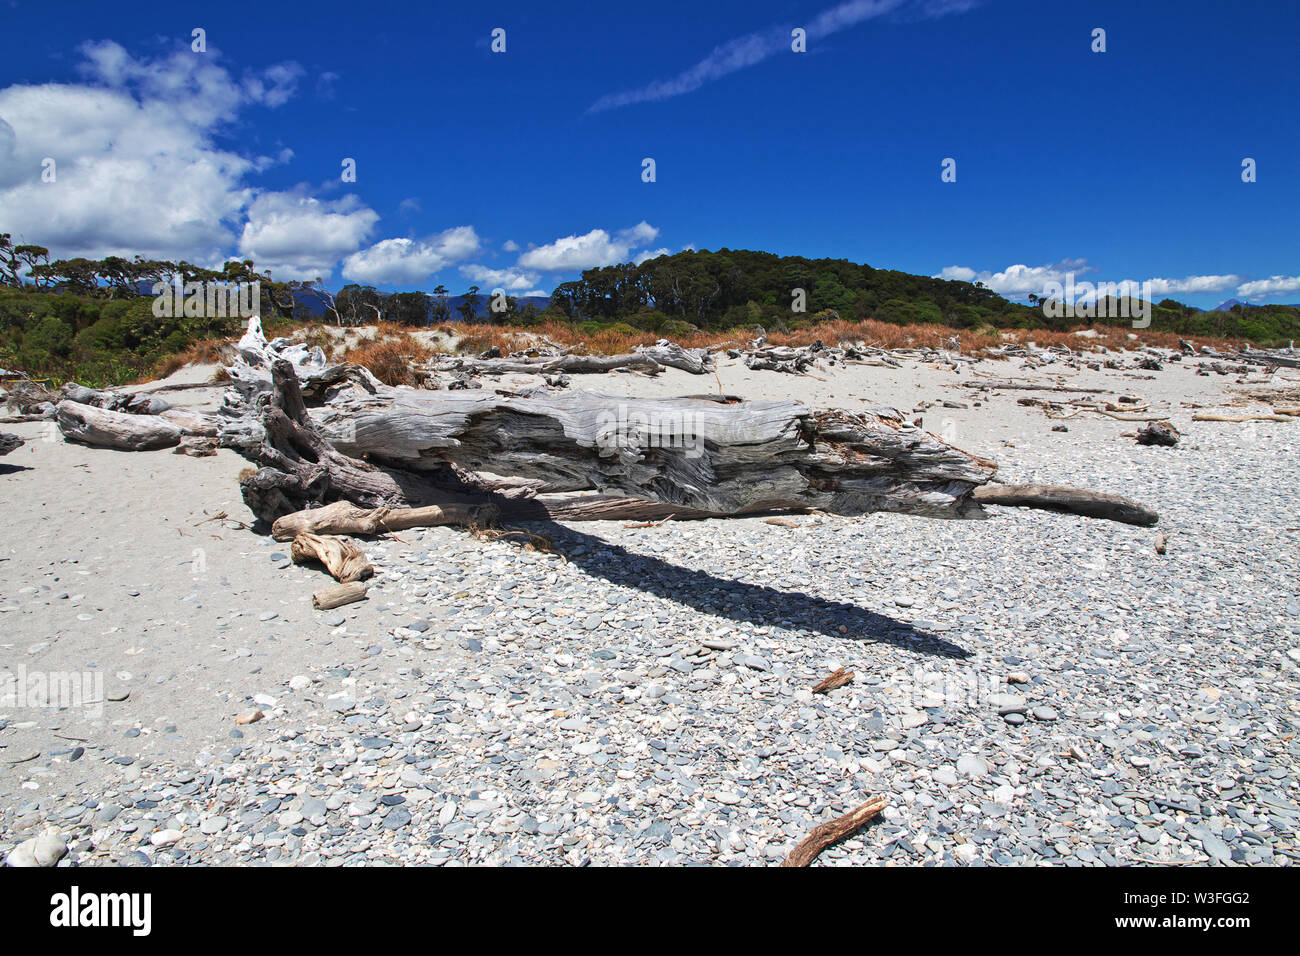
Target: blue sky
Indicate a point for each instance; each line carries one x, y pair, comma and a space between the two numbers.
519, 169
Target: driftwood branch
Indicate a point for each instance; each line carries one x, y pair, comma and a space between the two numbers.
338, 595
343, 517
342, 557
1074, 501
832, 832
837, 678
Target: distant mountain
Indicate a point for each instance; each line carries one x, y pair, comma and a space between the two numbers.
1227, 305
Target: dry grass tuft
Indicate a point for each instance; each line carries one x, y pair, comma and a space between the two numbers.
391, 355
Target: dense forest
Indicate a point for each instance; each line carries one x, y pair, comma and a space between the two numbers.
739, 288
95, 319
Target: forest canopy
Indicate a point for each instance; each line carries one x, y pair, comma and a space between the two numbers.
95, 319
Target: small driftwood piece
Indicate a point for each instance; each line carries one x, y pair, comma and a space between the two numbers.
343, 517
1158, 433
102, 428
837, 678
338, 595
1211, 417
1074, 501
1030, 387
833, 831
342, 557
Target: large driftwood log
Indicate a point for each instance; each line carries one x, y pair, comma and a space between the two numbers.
539, 454
706, 454
343, 517
136, 403
107, 429
342, 557
1074, 501
9, 442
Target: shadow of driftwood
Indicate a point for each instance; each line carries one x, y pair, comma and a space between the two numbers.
13, 469
738, 600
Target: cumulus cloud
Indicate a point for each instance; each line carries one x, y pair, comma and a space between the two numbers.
1018, 280
511, 280
137, 168
752, 48
1192, 285
588, 251
1273, 285
410, 261
300, 237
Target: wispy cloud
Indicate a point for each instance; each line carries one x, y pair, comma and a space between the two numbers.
753, 48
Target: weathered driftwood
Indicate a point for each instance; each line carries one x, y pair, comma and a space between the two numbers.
1007, 385
136, 403
338, 595
343, 517
832, 832
102, 428
539, 454
9, 442
704, 454
1074, 501
1211, 417
192, 422
700, 455
342, 557
1286, 358
837, 678
647, 358
1158, 433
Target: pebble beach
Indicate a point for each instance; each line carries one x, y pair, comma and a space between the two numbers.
1029, 689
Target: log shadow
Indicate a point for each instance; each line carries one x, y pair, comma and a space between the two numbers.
740, 601
13, 469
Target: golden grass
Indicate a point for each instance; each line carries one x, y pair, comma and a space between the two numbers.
390, 355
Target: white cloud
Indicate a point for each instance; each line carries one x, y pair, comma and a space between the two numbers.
1018, 280
588, 251
410, 261
649, 254
1192, 285
753, 48
137, 168
299, 237
1273, 285
510, 246
512, 280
